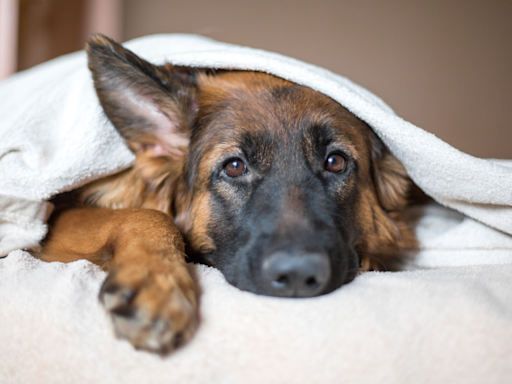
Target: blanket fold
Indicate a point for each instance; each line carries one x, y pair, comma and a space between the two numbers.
54, 136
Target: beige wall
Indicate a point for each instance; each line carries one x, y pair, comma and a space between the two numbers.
443, 65
50, 28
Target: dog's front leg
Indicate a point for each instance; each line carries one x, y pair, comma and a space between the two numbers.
149, 291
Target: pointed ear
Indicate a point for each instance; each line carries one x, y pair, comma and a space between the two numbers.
152, 107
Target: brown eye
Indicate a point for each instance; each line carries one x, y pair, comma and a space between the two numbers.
235, 168
335, 163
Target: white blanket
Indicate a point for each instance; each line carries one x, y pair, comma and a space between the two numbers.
452, 323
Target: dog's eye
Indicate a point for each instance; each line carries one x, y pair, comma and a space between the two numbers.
336, 163
235, 168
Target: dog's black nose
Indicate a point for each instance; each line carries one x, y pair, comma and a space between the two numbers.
296, 275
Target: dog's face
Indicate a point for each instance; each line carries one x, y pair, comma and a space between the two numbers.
275, 184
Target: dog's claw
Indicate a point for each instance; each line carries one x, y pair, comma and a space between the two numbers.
155, 311
114, 296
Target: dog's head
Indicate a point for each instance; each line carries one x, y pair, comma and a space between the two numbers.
277, 185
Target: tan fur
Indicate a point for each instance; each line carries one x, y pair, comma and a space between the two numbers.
133, 222
153, 180
144, 253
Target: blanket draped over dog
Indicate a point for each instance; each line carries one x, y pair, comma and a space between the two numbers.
447, 323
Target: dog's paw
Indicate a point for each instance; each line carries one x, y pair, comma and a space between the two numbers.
155, 309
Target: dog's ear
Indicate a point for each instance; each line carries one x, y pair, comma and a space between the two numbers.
390, 178
390, 238
153, 107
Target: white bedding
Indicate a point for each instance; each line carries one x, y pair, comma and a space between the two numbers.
448, 318
446, 325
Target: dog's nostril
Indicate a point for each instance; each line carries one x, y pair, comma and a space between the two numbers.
310, 282
281, 281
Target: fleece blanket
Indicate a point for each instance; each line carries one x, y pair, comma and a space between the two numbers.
447, 318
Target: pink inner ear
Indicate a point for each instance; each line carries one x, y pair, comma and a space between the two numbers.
156, 150
146, 108
163, 123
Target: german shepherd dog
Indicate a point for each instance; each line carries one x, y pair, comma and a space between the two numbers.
275, 184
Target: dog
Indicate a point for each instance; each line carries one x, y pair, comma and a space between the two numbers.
282, 189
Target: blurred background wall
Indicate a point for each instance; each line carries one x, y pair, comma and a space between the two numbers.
443, 65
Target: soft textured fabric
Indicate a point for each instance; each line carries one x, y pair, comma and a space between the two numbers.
451, 323
54, 136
